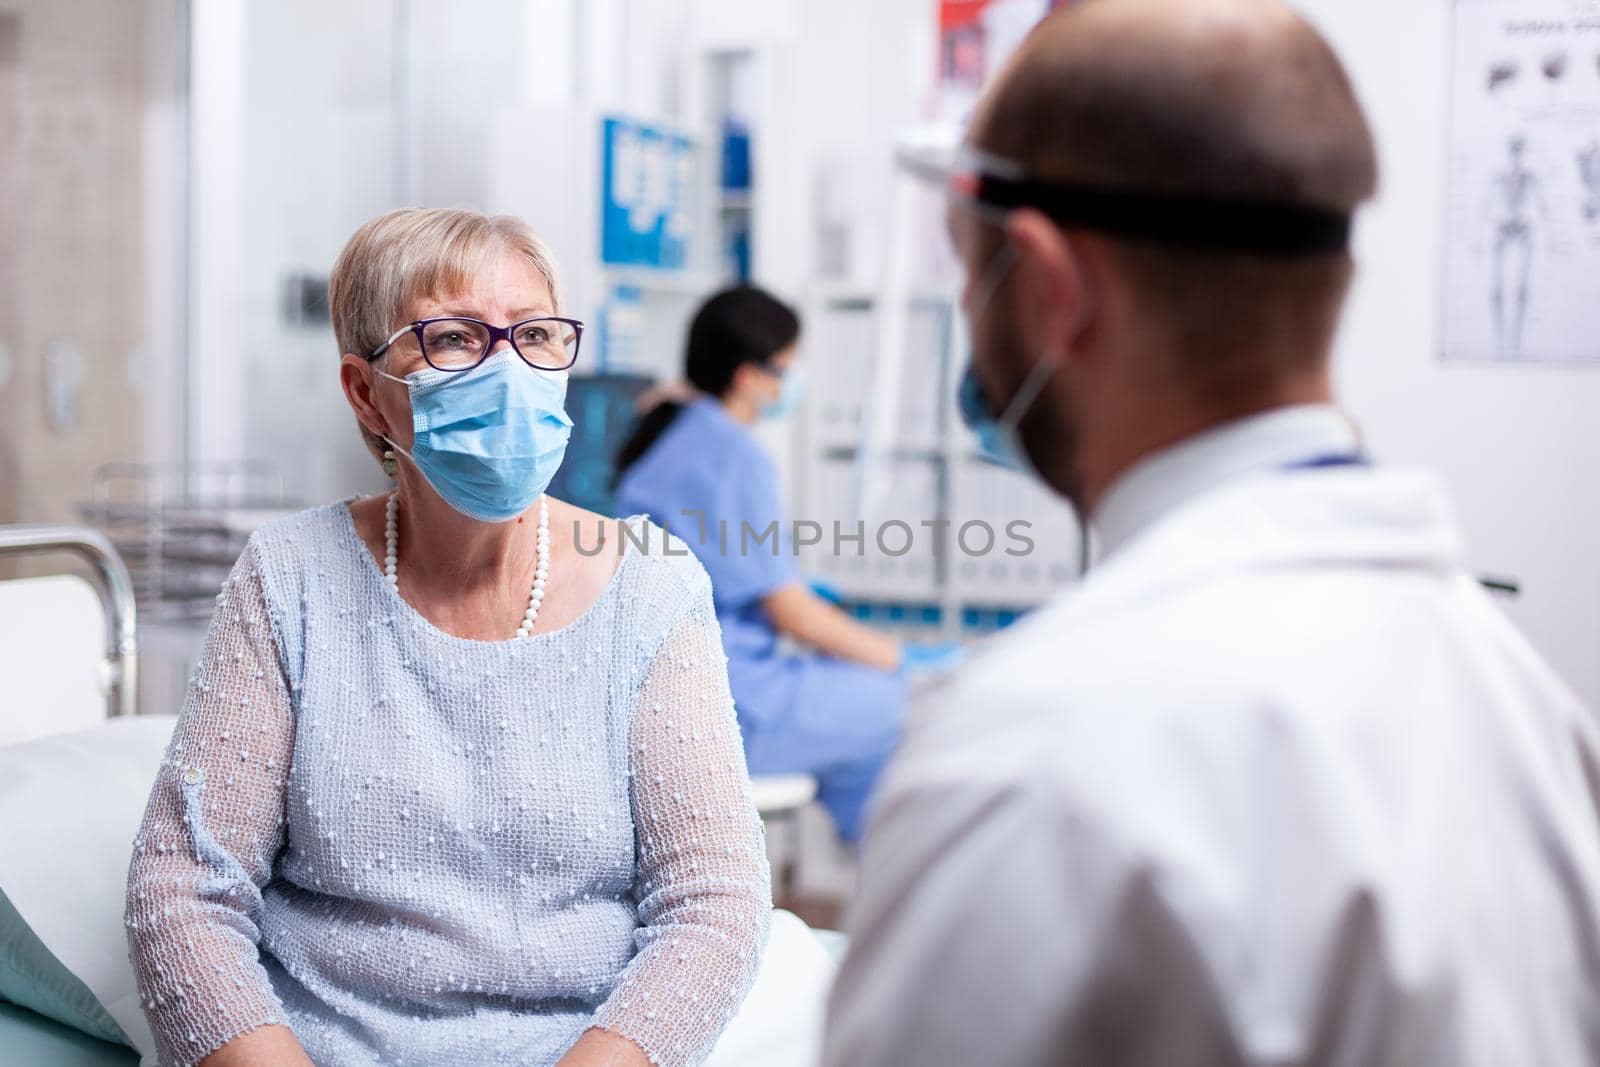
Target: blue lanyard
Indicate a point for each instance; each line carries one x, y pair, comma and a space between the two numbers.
1333, 459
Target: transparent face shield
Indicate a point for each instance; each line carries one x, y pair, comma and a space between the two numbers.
921, 341
910, 320
938, 180
956, 173
959, 175
987, 539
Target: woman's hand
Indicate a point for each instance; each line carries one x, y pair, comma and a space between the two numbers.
600, 1048
266, 1046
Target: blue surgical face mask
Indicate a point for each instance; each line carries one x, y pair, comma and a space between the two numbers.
788, 400
488, 440
993, 445
997, 433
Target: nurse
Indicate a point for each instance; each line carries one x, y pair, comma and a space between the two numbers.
833, 711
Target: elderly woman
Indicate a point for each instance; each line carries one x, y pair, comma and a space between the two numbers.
449, 786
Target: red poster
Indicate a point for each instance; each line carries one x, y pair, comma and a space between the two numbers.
961, 45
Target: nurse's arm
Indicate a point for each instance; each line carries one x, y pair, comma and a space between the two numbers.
797, 612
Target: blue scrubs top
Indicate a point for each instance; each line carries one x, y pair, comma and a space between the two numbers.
798, 713
707, 464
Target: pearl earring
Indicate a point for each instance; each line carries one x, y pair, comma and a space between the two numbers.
391, 466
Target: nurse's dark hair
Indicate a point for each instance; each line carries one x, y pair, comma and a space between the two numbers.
741, 325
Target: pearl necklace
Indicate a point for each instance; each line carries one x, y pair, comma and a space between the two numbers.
391, 539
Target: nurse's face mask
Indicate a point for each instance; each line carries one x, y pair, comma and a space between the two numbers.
791, 391
490, 426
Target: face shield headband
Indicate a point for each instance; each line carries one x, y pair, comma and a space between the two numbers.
996, 186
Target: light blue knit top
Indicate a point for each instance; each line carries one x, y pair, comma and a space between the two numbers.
415, 848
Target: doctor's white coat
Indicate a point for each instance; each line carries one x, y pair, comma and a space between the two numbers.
1276, 785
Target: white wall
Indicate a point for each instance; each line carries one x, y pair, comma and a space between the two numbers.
310, 119
1520, 447
302, 156
216, 132
840, 82
160, 369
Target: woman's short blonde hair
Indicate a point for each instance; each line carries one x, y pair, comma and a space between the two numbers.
412, 253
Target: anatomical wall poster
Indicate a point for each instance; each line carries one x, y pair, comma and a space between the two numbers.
1521, 235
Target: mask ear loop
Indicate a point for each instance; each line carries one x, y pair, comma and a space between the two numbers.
1025, 395
993, 275
391, 466
1009, 420
1042, 368
996, 273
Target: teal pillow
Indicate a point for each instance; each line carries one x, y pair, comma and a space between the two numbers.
32, 977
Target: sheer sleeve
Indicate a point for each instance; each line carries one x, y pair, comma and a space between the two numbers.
703, 885
211, 831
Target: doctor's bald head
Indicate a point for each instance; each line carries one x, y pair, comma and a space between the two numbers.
1237, 101
1226, 98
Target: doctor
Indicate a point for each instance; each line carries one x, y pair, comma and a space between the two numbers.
1277, 784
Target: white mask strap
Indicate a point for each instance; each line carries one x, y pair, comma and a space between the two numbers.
1032, 385
996, 273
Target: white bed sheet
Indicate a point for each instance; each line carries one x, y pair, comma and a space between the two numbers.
71, 805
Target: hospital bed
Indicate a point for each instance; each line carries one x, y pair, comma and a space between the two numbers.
76, 765
68, 661
59, 674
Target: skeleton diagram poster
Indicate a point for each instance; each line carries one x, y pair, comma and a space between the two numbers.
1522, 210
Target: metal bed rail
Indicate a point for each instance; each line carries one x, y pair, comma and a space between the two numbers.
116, 597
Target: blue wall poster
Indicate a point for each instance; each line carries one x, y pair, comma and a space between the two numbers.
648, 184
